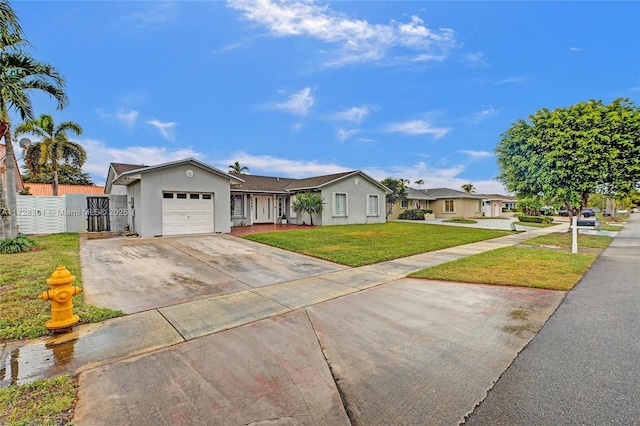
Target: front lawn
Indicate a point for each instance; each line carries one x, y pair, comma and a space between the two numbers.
357, 245
537, 225
540, 262
23, 278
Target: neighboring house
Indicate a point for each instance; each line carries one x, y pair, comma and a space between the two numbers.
3, 170
191, 197
494, 205
350, 198
450, 202
179, 197
416, 199
45, 189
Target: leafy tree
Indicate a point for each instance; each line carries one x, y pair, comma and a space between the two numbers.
568, 153
53, 148
468, 187
398, 192
237, 169
68, 174
530, 206
308, 202
419, 182
20, 75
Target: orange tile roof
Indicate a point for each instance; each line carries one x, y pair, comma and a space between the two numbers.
45, 189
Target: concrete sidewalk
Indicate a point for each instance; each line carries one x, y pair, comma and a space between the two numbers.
582, 367
92, 345
351, 346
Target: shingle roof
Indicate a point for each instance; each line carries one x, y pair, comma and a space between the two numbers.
120, 168
450, 193
262, 184
316, 181
417, 194
46, 190
499, 197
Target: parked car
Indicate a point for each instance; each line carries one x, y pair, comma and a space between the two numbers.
635, 210
563, 213
588, 212
547, 211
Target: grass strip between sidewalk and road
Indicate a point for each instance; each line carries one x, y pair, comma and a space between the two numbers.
541, 262
358, 245
23, 277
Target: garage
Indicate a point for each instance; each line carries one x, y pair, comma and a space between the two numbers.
187, 213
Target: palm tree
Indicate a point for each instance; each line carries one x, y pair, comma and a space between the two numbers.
468, 187
308, 202
419, 182
398, 192
54, 146
237, 169
20, 74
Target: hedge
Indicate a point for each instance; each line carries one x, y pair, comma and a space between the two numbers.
417, 214
535, 219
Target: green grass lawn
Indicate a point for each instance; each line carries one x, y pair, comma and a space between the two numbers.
23, 277
42, 402
537, 225
564, 240
515, 266
357, 245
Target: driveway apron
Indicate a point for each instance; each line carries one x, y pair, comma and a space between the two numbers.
139, 274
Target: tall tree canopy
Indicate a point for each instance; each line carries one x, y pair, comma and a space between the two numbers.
568, 153
54, 148
20, 75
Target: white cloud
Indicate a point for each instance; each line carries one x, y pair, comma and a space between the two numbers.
268, 165
299, 103
355, 40
157, 14
484, 114
344, 134
127, 118
433, 177
418, 127
512, 80
100, 155
575, 49
476, 154
353, 114
167, 130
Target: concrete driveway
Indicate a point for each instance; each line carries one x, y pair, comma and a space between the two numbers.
138, 274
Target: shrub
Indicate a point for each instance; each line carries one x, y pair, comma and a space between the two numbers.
535, 219
460, 219
18, 244
412, 215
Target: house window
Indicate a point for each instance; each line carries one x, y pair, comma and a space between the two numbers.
194, 196
166, 195
339, 204
206, 196
237, 209
449, 206
281, 206
479, 206
404, 204
184, 196
372, 205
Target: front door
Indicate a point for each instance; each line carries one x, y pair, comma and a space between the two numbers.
262, 209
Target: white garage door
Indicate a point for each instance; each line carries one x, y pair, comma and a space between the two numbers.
187, 213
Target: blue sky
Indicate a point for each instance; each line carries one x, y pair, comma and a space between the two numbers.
413, 90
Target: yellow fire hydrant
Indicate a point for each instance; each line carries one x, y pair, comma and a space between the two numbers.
60, 295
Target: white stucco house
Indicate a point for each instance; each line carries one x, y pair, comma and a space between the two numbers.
191, 197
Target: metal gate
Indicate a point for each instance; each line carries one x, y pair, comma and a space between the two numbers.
98, 214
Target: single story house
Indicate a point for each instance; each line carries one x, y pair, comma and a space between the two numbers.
350, 198
447, 202
191, 197
45, 189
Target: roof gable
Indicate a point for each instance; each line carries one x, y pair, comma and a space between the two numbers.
131, 175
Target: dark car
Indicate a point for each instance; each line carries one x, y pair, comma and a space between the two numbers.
588, 212
563, 213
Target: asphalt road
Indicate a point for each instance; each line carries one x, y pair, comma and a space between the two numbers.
583, 367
